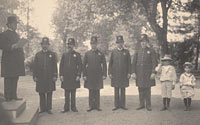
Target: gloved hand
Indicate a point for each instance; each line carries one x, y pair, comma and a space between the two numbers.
62, 78
35, 79
133, 76
54, 79
77, 78
84, 78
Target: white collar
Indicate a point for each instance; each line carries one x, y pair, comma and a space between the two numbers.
188, 74
11, 29
120, 49
44, 51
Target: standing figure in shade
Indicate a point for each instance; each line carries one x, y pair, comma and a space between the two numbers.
187, 81
143, 68
45, 75
12, 64
167, 77
94, 72
70, 74
119, 71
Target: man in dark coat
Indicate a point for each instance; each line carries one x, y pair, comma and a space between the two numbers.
70, 73
143, 68
45, 75
12, 64
119, 71
94, 72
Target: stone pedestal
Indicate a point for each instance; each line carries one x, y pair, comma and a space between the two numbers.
20, 113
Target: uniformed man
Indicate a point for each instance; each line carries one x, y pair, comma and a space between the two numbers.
45, 75
70, 73
12, 64
144, 63
94, 72
119, 71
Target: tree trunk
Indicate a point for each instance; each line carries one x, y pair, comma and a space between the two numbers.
150, 7
198, 42
197, 57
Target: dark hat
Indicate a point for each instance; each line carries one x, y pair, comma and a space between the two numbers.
93, 39
119, 39
188, 64
71, 41
45, 40
166, 58
144, 37
11, 19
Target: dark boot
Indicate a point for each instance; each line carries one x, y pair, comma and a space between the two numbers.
189, 103
164, 104
168, 103
186, 104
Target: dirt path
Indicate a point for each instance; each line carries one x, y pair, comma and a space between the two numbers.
176, 116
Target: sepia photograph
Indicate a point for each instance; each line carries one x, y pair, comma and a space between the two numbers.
99, 62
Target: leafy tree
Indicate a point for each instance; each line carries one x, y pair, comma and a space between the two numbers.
7, 8
106, 19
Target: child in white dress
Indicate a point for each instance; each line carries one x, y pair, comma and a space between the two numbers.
187, 81
167, 76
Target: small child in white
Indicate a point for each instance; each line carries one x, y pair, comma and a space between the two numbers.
167, 77
187, 81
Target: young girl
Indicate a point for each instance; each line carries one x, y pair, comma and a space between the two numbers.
187, 81
167, 77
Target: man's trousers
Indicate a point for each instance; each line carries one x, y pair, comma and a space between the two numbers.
69, 92
94, 98
10, 87
120, 97
145, 96
45, 101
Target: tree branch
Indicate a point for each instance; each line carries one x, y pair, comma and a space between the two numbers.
169, 3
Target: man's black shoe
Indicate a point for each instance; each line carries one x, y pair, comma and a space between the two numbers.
17, 99
41, 111
74, 110
98, 109
124, 108
64, 111
115, 108
89, 110
163, 109
49, 112
149, 109
139, 108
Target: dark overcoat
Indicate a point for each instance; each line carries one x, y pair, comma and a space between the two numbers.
12, 63
45, 68
70, 68
119, 68
144, 63
94, 68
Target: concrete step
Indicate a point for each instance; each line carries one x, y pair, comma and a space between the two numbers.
14, 108
28, 117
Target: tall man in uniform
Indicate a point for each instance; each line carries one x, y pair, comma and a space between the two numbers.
12, 64
143, 68
119, 71
70, 73
45, 75
94, 72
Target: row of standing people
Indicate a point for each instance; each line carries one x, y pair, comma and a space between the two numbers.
94, 70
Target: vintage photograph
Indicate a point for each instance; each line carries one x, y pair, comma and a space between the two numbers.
99, 62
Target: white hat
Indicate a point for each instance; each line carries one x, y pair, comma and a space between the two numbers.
188, 64
166, 57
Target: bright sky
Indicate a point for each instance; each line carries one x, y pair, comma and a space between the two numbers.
42, 16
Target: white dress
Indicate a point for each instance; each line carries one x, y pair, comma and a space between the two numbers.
188, 82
